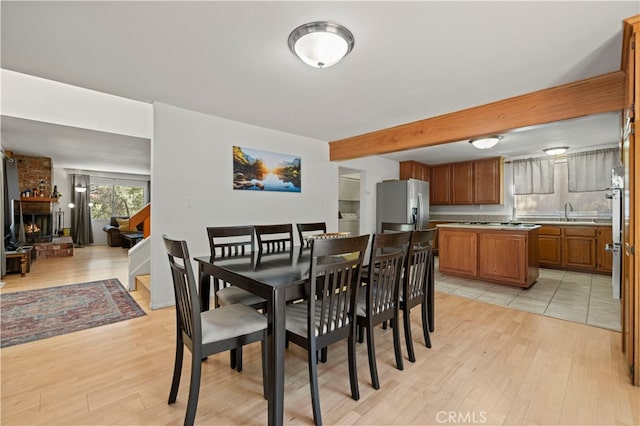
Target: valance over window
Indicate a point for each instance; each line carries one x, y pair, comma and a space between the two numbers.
533, 176
591, 170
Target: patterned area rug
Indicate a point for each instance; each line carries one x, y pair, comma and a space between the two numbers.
31, 315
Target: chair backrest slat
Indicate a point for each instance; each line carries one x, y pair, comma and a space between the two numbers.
227, 241
305, 229
386, 263
187, 301
418, 265
396, 227
336, 266
272, 238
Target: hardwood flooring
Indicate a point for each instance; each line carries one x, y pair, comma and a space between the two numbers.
488, 365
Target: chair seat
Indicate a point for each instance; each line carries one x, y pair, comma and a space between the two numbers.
230, 321
296, 318
232, 295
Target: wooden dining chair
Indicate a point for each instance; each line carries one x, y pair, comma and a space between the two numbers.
227, 241
379, 300
432, 235
272, 238
329, 317
305, 229
415, 286
206, 333
397, 227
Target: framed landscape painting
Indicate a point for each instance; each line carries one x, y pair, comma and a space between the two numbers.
255, 170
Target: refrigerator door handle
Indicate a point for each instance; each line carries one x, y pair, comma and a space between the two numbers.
420, 211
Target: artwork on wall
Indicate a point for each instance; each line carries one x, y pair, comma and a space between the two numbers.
257, 170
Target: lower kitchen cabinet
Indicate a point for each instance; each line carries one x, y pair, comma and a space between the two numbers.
550, 246
604, 258
458, 252
575, 248
500, 256
579, 247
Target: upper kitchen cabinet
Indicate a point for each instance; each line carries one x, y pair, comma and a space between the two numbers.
489, 186
440, 184
462, 186
468, 182
414, 170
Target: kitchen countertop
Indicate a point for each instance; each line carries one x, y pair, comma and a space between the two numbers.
598, 222
492, 225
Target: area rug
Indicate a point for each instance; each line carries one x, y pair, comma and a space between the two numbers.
31, 315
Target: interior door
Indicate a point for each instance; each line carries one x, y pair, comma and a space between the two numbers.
631, 159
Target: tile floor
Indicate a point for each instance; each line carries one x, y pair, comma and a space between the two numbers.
572, 296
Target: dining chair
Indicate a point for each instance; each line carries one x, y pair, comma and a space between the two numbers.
206, 333
272, 238
305, 229
329, 316
379, 300
415, 285
227, 241
433, 234
397, 227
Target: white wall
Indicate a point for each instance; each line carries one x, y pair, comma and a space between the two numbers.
191, 169
372, 171
34, 98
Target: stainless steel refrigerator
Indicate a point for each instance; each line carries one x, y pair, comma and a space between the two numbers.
616, 196
403, 201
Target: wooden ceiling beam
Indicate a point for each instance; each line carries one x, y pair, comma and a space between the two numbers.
604, 93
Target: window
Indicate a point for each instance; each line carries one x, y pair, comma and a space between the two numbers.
592, 204
111, 197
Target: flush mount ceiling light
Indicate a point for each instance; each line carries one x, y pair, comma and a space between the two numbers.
557, 150
485, 143
321, 44
79, 188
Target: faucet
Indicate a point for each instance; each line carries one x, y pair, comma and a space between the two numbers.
566, 214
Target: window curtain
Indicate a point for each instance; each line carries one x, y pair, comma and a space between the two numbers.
533, 176
591, 170
80, 214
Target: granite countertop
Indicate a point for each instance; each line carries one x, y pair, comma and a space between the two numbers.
579, 222
492, 225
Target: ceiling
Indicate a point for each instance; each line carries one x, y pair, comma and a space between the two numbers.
411, 60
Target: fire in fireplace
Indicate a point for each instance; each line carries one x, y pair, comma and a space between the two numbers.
32, 228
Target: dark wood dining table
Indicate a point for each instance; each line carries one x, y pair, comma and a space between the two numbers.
276, 277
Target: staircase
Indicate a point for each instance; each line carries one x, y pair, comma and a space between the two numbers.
143, 286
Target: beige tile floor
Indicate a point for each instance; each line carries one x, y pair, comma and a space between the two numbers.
573, 296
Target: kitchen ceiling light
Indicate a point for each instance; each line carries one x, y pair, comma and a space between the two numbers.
556, 150
485, 143
321, 44
79, 188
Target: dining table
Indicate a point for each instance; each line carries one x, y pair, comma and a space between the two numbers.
278, 278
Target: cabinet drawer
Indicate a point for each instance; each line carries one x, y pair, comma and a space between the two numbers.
576, 231
549, 230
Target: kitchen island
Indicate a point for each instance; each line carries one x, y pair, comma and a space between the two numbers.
503, 253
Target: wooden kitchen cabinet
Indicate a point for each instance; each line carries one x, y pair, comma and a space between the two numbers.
604, 259
496, 247
462, 183
414, 170
488, 181
579, 247
507, 256
458, 251
550, 246
440, 184
467, 182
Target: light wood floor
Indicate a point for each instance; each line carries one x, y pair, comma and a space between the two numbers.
488, 365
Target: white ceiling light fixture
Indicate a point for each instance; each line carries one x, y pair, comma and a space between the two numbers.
321, 44
486, 143
556, 150
80, 188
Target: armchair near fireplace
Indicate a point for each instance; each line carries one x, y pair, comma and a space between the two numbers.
117, 226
